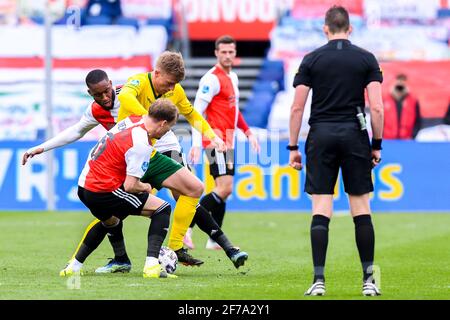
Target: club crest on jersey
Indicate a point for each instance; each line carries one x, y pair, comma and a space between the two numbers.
205, 89
135, 82
144, 166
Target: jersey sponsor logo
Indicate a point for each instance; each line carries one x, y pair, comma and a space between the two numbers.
135, 82
205, 89
144, 166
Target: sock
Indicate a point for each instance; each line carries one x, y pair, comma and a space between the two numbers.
215, 205
91, 240
158, 229
365, 241
210, 200
115, 237
319, 244
88, 228
76, 265
182, 216
218, 213
151, 261
207, 224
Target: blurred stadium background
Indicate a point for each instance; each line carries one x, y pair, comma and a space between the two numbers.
125, 37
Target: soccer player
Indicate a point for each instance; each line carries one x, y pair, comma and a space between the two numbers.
135, 98
110, 185
104, 111
218, 98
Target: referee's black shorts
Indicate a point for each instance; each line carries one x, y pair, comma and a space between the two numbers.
118, 203
333, 145
220, 164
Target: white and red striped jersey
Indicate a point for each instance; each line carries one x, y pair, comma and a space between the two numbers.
95, 115
124, 150
92, 117
218, 99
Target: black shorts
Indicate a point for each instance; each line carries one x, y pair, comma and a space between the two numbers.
331, 146
220, 164
119, 203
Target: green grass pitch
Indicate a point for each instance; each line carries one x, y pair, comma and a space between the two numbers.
412, 252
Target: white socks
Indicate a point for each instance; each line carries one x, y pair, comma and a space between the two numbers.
76, 265
151, 261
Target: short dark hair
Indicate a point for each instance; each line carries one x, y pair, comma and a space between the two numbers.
163, 109
226, 39
337, 19
96, 76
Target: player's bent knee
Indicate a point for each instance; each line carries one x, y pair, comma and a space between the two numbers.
197, 189
223, 193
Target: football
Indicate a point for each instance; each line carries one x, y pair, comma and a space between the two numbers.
168, 259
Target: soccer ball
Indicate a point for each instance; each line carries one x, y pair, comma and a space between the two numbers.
168, 259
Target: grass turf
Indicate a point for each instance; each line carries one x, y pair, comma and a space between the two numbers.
411, 251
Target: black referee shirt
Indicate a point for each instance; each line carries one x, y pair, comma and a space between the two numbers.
337, 73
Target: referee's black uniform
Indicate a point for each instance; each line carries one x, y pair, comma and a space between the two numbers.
338, 73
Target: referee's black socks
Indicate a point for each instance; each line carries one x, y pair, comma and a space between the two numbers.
158, 229
365, 241
319, 244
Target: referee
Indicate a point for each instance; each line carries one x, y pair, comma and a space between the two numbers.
338, 73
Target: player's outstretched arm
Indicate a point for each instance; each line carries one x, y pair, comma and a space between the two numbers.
30, 154
69, 135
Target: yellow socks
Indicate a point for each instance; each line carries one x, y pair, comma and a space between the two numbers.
182, 217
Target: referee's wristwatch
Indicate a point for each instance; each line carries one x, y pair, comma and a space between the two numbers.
292, 148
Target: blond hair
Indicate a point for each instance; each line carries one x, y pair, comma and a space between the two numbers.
171, 63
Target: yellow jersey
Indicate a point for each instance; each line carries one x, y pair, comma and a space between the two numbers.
138, 94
